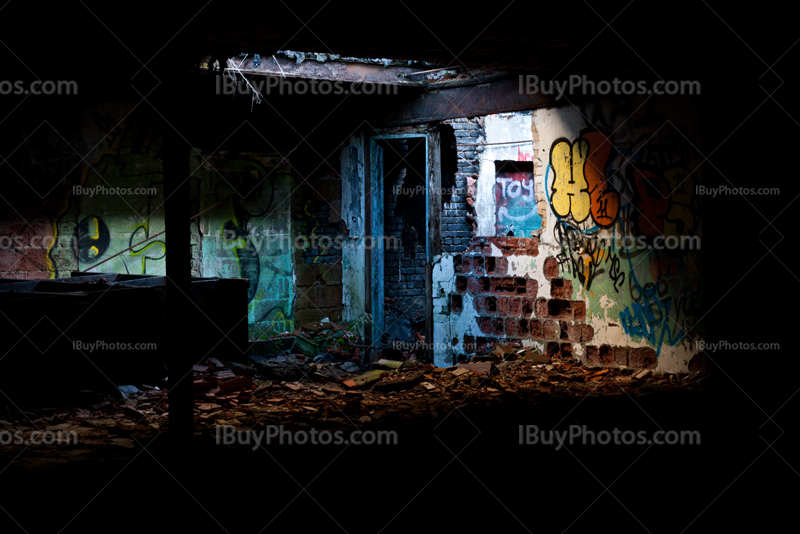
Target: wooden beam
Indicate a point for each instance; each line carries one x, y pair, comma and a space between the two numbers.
449, 103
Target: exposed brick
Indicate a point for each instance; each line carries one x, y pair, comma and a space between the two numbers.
480, 305
496, 285
528, 305
498, 327
565, 351
325, 296
469, 344
531, 288
579, 310
511, 327
463, 283
524, 327
635, 358
550, 267
484, 283
331, 274
477, 265
466, 264
592, 355
698, 363
536, 328
558, 288
559, 309
507, 245
491, 305
515, 306
550, 330
528, 247
472, 285
8, 260
606, 355
501, 266
306, 274
489, 264
563, 332
541, 307
502, 306
485, 324
649, 358
574, 332
587, 333
510, 284
456, 303
621, 355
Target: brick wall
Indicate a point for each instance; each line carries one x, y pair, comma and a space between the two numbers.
318, 267
457, 214
404, 272
509, 308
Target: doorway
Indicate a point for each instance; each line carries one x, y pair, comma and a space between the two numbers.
405, 214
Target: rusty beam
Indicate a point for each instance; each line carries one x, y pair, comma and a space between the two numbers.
356, 72
449, 103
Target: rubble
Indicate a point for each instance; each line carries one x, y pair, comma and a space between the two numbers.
332, 388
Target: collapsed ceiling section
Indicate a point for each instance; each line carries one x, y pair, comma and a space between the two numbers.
333, 67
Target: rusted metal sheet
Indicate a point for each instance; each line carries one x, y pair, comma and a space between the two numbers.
497, 97
347, 70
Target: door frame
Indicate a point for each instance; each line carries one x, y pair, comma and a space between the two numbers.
374, 206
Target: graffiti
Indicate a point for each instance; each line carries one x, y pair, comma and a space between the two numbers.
570, 190
517, 214
276, 320
663, 269
524, 156
656, 313
248, 236
103, 224
586, 257
91, 239
604, 199
616, 194
146, 250
580, 187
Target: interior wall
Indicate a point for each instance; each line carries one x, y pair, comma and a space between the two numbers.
596, 286
262, 222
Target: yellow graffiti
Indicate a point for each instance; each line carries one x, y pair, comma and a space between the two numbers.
144, 257
592, 259
96, 229
94, 250
570, 188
